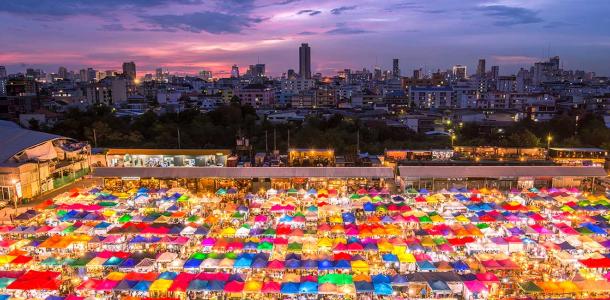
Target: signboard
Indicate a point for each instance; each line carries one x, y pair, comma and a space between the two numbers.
18, 189
130, 178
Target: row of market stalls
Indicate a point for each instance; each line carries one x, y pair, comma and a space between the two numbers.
473, 243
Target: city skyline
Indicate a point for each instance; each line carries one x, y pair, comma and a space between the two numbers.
189, 35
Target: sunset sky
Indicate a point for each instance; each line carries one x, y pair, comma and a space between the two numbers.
185, 36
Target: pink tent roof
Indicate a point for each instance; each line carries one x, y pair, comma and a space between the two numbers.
475, 286
271, 287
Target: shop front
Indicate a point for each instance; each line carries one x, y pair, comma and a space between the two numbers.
500, 177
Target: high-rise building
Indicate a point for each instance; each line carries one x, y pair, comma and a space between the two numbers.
62, 72
82, 74
459, 72
418, 74
395, 67
129, 70
495, 72
481, 68
205, 74
91, 74
257, 70
291, 75
377, 74
3, 72
305, 61
235, 71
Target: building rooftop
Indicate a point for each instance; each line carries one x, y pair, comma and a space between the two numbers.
15, 139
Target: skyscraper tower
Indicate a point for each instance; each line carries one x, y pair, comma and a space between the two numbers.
305, 61
481, 68
129, 69
395, 68
235, 71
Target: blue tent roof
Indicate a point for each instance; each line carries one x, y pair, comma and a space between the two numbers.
310, 264
460, 266
389, 257
216, 285
380, 278
438, 285
426, 265
383, 289
368, 206
168, 275
125, 285
399, 280
343, 264
259, 263
128, 263
142, 286
289, 288
198, 285
325, 264
348, 217
363, 286
192, 263
308, 287
244, 261
292, 264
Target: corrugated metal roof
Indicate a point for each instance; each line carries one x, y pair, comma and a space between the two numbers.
252, 172
498, 171
14, 139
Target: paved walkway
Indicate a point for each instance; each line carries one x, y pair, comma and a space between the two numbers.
5, 213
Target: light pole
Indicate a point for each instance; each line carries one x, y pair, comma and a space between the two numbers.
549, 138
453, 137
16, 196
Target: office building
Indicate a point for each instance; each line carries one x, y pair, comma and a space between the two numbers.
481, 68
235, 71
395, 68
3, 73
129, 70
305, 61
459, 72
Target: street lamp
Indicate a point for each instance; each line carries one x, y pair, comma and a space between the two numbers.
549, 138
453, 137
16, 196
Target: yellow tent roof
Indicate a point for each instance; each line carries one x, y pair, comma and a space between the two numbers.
360, 265
5, 259
406, 258
116, 276
252, 286
161, 285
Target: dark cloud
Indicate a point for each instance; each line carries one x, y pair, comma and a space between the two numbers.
343, 29
403, 5
310, 12
511, 15
66, 8
207, 21
339, 10
113, 27
306, 33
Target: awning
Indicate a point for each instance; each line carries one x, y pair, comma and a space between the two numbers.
253, 172
498, 171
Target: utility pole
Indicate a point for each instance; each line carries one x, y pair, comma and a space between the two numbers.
288, 147
274, 142
94, 138
358, 142
266, 144
179, 146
